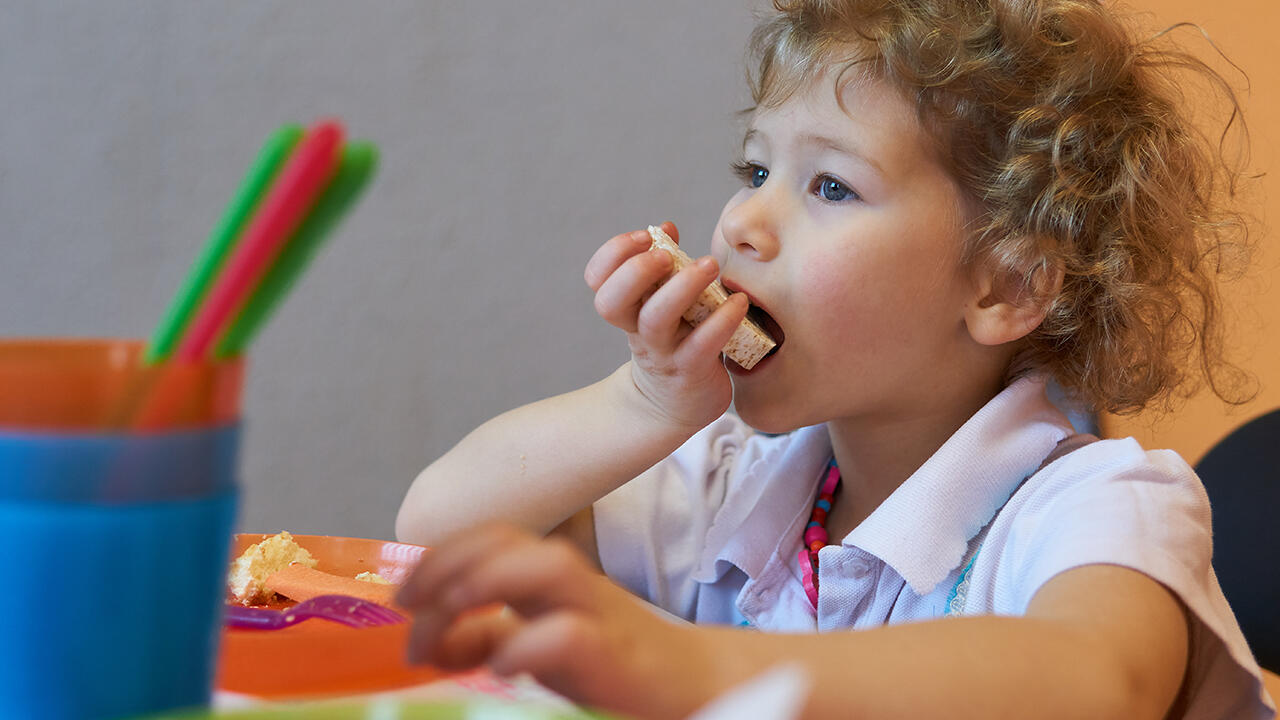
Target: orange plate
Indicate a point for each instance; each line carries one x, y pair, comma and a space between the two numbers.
317, 657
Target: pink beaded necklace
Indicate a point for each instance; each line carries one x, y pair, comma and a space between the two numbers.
815, 532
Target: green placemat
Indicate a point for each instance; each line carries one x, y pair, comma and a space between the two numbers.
392, 709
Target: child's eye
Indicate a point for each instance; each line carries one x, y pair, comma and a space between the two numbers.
750, 173
833, 190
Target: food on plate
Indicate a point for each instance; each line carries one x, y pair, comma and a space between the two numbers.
373, 577
300, 582
246, 580
750, 343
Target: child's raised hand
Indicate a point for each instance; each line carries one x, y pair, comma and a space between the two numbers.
569, 627
675, 367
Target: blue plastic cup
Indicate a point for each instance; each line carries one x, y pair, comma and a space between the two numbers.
117, 468
111, 610
114, 533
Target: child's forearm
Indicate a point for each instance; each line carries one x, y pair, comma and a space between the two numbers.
978, 667
537, 465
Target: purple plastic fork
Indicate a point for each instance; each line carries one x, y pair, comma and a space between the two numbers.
344, 609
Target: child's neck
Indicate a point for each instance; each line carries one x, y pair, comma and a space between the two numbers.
876, 457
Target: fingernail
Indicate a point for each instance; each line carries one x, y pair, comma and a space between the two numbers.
707, 263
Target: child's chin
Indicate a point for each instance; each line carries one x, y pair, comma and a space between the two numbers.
762, 416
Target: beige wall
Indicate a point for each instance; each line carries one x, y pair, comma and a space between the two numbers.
1245, 31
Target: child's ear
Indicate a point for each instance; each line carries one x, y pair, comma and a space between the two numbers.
1008, 304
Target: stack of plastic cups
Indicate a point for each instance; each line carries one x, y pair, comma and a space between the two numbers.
113, 539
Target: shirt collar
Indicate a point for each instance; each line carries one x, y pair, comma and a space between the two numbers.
923, 529
775, 482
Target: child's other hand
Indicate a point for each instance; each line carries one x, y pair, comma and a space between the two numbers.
570, 627
675, 367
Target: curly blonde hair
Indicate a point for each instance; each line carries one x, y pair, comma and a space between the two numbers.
1070, 136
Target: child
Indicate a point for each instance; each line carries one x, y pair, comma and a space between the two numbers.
945, 204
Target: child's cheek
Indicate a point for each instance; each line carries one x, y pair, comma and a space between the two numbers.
833, 299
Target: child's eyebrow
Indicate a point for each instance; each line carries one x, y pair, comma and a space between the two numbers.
844, 148
827, 143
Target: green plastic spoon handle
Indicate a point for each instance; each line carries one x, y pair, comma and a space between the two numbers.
221, 240
357, 165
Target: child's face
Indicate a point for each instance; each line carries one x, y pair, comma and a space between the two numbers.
848, 233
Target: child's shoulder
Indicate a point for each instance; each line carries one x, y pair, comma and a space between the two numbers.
1111, 501
1109, 480
1121, 463
1115, 502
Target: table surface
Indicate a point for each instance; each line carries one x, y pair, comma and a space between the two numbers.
483, 684
478, 684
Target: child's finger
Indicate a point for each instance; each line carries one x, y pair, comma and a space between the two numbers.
440, 566
669, 228
710, 337
660, 315
473, 638
610, 256
619, 298
533, 578
561, 650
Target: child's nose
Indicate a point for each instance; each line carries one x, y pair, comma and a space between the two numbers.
749, 227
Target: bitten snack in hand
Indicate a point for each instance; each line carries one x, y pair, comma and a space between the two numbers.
749, 343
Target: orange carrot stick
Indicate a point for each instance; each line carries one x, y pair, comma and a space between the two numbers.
299, 582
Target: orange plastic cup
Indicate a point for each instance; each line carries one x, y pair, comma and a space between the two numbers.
102, 384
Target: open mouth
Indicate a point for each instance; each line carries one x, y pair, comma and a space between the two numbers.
766, 321
761, 317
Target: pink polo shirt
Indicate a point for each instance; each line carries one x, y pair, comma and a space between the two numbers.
712, 534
